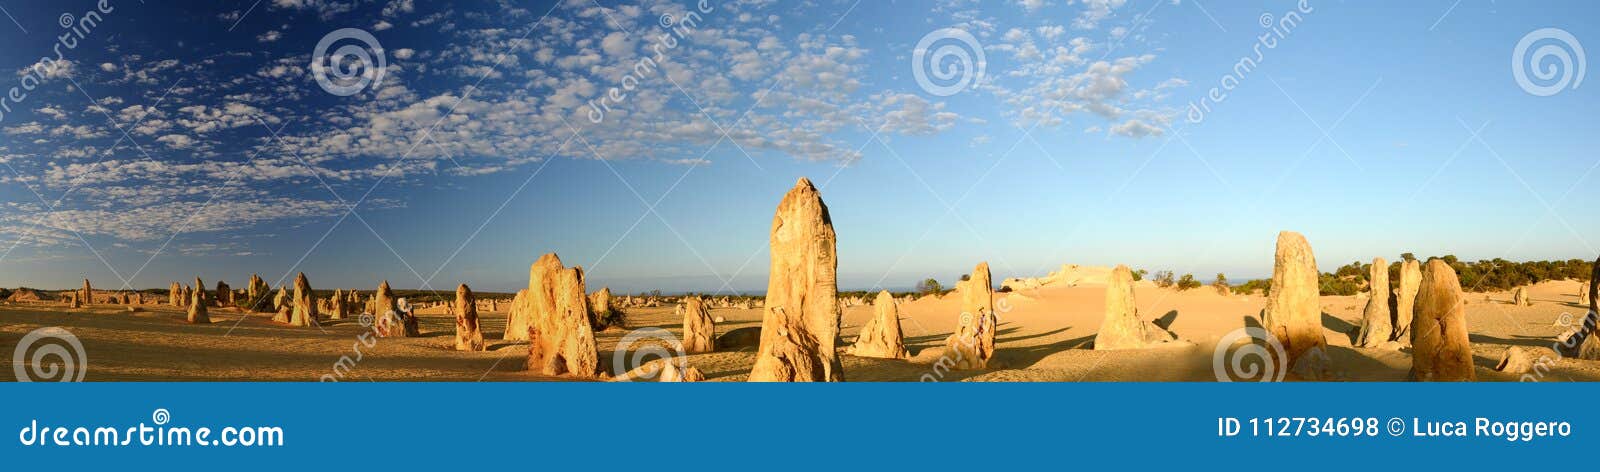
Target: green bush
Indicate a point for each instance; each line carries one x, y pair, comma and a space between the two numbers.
1187, 282
1163, 278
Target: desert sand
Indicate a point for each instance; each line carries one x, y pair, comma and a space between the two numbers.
1043, 334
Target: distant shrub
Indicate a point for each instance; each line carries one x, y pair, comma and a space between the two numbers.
1139, 274
1252, 286
929, 287
1187, 282
1336, 285
1221, 284
1163, 278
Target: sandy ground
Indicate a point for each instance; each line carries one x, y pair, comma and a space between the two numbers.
1044, 335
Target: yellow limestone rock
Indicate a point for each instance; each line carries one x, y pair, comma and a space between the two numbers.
1406, 300
468, 337
800, 324
562, 336
1293, 313
881, 336
1122, 328
699, 330
197, 308
1376, 327
1442, 351
972, 346
305, 308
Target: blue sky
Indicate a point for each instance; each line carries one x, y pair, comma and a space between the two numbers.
1374, 128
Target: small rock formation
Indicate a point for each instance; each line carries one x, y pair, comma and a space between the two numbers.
1293, 313
1588, 348
1313, 365
800, 323
1442, 351
972, 346
698, 327
1122, 328
175, 294
282, 299
282, 306
468, 337
600, 305
881, 336
199, 286
1406, 300
518, 317
565, 339
671, 373
197, 307
1375, 324
387, 316
1519, 297
305, 308
224, 294
257, 293
1516, 360
1069, 275
1583, 295
537, 301
88, 293
338, 306
74, 301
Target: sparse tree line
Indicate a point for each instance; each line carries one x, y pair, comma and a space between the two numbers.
1476, 276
